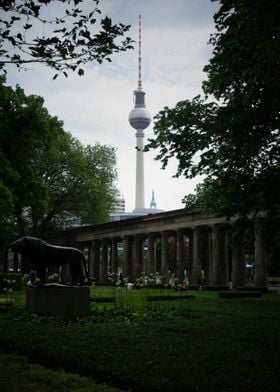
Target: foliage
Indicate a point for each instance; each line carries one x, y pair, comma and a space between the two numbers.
61, 34
240, 294
209, 343
49, 176
30, 377
14, 277
214, 288
169, 297
234, 140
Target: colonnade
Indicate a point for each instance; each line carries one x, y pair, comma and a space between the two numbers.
202, 253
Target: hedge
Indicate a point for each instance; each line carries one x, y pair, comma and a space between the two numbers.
102, 299
214, 288
168, 297
240, 294
262, 289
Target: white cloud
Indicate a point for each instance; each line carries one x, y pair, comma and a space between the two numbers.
96, 107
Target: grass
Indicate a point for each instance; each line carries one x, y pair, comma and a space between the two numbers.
18, 374
202, 344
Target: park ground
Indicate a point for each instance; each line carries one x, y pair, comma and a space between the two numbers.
144, 340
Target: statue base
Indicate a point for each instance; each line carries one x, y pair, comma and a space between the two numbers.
68, 302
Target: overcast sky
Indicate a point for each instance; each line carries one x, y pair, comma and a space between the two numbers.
95, 107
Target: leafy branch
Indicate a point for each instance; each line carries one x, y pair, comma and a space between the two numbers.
65, 42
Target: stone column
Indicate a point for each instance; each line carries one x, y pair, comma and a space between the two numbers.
104, 260
207, 259
16, 262
138, 257
127, 257
164, 254
196, 276
219, 255
151, 254
189, 255
260, 256
90, 261
114, 255
109, 255
238, 255
96, 245
65, 274
215, 255
224, 256
180, 266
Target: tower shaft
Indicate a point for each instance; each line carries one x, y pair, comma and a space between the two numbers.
140, 188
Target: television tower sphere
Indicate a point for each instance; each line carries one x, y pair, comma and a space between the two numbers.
139, 118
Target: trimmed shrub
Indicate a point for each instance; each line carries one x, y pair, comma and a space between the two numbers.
214, 288
17, 277
194, 287
102, 299
168, 297
251, 288
240, 294
6, 302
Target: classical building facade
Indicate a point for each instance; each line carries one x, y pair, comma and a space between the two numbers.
176, 242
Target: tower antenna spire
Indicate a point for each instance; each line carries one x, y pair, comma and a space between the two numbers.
139, 57
139, 118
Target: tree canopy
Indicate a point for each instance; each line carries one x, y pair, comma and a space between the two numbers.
234, 140
61, 34
47, 177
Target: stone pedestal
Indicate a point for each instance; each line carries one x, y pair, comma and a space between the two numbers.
55, 300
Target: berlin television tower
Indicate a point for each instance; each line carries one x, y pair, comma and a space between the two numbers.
139, 119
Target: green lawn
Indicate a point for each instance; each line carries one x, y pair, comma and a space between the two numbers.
201, 344
19, 375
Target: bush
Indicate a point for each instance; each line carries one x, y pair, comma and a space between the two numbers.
240, 294
168, 297
251, 288
12, 276
6, 302
193, 287
214, 288
102, 299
